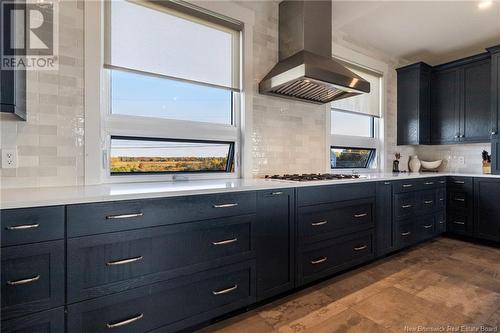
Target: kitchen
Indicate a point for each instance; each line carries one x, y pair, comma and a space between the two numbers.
228, 166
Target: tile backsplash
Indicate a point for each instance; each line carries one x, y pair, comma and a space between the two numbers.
50, 143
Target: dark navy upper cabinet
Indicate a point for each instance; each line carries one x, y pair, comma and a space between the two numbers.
274, 242
445, 106
414, 104
13, 92
475, 120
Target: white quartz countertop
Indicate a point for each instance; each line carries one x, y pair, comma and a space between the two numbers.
50, 196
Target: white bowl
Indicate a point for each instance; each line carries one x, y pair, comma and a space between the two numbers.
431, 165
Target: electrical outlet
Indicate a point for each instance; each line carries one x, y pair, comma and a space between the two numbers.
9, 158
461, 160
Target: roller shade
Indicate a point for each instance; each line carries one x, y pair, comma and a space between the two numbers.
368, 103
151, 38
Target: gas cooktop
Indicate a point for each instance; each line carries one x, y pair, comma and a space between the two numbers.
312, 177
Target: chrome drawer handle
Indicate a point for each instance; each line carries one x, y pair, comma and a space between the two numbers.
407, 185
124, 216
459, 223
360, 248
228, 205
225, 291
319, 261
124, 261
387, 183
23, 281
315, 224
277, 193
441, 199
441, 222
459, 182
459, 199
406, 206
360, 215
442, 182
427, 226
224, 242
428, 202
125, 322
23, 226
429, 183
405, 233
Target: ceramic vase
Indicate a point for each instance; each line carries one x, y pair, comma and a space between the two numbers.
414, 164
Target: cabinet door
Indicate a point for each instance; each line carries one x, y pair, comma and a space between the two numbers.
384, 236
7, 91
476, 117
274, 242
495, 89
445, 106
487, 222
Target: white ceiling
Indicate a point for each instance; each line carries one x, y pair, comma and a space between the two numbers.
431, 31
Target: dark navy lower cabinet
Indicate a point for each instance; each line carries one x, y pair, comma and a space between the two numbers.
32, 278
460, 206
51, 321
168, 306
384, 229
487, 210
274, 234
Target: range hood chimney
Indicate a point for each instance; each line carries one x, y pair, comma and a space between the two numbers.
306, 70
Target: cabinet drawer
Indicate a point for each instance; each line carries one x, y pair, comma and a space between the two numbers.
51, 321
325, 221
406, 234
458, 199
428, 201
103, 264
405, 205
460, 181
314, 195
430, 183
30, 225
88, 219
426, 227
32, 278
406, 185
172, 305
458, 224
324, 258
440, 220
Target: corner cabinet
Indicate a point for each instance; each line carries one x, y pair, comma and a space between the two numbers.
274, 242
413, 125
449, 103
460, 108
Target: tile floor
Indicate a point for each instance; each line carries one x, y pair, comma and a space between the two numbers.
445, 284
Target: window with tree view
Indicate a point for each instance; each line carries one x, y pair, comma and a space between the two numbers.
173, 84
147, 155
351, 158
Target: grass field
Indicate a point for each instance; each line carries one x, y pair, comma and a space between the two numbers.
170, 164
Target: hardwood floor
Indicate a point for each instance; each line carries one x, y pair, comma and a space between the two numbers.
443, 284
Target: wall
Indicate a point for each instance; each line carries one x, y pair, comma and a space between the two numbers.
450, 155
287, 136
50, 142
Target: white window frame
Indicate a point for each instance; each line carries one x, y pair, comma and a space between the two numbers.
360, 60
100, 125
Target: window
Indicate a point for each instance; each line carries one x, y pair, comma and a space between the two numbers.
351, 158
154, 156
173, 82
354, 122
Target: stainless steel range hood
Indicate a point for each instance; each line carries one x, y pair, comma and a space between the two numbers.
306, 70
